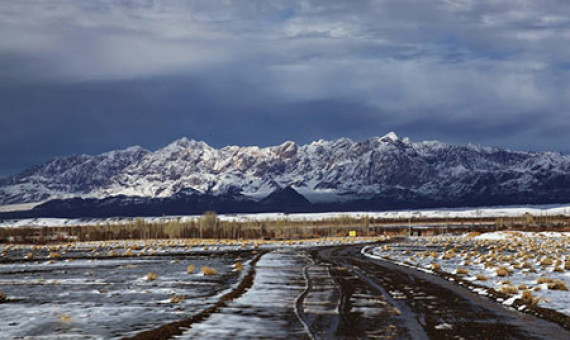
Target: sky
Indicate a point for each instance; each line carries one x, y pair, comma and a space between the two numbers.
93, 76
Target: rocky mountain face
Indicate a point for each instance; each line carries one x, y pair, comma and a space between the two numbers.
378, 173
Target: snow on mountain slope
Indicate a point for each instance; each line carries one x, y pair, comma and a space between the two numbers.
67, 176
322, 171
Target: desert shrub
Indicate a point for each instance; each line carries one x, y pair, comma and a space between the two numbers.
529, 298
150, 276
177, 298
190, 269
238, 266
542, 280
502, 271
54, 255
523, 287
508, 289
558, 269
546, 262
208, 271
462, 271
3, 297
557, 285
481, 277
537, 289
29, 256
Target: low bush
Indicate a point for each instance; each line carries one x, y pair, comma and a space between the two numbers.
557, 285
150, 276
462, 271
481, 277
177, 298
508, 289
529, 298
208, 271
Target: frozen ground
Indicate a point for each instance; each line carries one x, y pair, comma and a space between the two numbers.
510, 211
286, 290
101, 290
105, 298
513, 262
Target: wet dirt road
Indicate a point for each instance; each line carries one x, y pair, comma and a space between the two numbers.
424, 306
337, 293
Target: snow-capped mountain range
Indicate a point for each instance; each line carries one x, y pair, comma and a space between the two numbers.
387, 169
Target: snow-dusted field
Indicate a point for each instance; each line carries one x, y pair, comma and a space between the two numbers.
105, 298
510, 211
102, 290
534, 267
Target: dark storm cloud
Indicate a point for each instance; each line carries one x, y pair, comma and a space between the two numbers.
90, 76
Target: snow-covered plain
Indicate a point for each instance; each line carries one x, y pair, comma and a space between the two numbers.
535, 262
509, 211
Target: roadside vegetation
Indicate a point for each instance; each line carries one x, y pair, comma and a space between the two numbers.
209, 226
531, 267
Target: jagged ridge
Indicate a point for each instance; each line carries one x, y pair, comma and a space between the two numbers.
377, 173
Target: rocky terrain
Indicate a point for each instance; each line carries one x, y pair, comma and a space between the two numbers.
391, 172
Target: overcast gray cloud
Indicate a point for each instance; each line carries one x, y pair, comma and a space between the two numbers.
88, 76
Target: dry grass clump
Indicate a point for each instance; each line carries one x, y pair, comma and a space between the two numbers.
3, 297
508, 289
177, 298
546, 262
238, 266
522, 286
542, 280
481, 277
208, 271
557, 285
66, 318
502, 271
529, 298
29, 256
190, 269
462, 271
150, 276
54, 255
435, 266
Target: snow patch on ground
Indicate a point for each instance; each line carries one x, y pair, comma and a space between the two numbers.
546, 210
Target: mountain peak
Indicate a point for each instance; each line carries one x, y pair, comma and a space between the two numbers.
390, 136
186, 143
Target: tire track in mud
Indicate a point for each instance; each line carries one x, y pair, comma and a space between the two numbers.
299, 302
317, 307
169, 330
